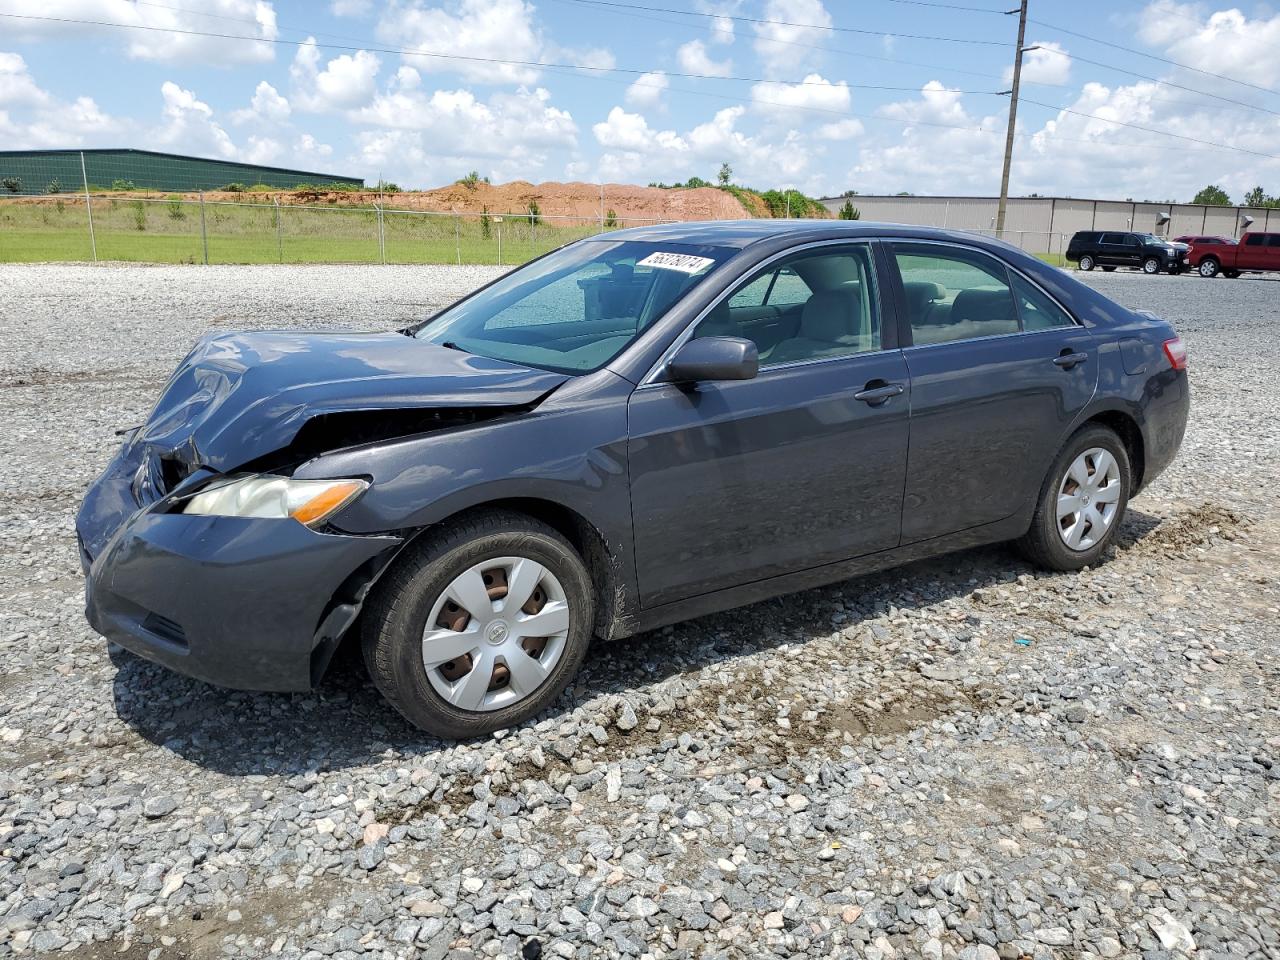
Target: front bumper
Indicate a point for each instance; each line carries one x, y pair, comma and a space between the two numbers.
244, 603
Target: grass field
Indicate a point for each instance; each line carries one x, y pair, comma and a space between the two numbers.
170, 232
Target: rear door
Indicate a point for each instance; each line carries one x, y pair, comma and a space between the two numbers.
1111, 250
999, 372
1273, 251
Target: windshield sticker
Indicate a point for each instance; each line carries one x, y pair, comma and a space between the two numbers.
684, 262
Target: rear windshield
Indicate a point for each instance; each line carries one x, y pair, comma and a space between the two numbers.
576, 309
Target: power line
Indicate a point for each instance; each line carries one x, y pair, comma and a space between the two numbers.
1164, 83
1163, 133
634, 71
792, 23
729, 31
1152, 56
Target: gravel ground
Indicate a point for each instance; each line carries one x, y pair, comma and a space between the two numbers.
964, 757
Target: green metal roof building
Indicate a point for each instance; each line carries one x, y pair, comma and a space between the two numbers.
33, 172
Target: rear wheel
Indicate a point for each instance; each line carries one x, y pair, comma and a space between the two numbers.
1082, 502
1151, 265
1231, 274
481, 626
1086, 262
1209, 267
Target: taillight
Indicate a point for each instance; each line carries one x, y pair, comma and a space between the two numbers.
1176, 351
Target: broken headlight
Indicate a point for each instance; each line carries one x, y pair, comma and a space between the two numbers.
310, 502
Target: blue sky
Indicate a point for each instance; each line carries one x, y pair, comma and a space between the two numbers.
783, 90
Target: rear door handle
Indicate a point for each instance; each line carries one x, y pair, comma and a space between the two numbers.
874, 396
1068, 360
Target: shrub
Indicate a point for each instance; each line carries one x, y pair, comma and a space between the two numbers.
175, 208
472, 179
610, 218
849, 211
485, 229
62, 206
119, 184
725, 176
535, 213
12, 184
261, 188
234, 188
386, 186
697, 182
139, 215
53, 186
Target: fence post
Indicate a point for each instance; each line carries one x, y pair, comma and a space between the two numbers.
204, 234
457, 237
382, 236
279, 234
88, 206
499, 219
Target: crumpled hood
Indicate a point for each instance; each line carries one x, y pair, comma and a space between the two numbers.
238, 396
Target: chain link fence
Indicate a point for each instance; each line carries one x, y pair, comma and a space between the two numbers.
181, 230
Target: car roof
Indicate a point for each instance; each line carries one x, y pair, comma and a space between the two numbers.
739, 234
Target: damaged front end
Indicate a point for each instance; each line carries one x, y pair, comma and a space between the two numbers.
260, 601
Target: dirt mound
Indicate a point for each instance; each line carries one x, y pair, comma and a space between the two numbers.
628, 202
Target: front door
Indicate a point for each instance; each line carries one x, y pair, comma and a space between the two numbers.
1253, 251
998, 372
734, 482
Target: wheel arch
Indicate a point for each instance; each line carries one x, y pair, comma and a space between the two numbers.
1130, 433
614, 608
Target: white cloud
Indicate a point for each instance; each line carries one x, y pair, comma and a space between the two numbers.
350, 8
648, 89
346, 82
1049, 63
267, 106
815, 93
775, 42
693, 58
937, 104
722, 30
1228, 42
188, 126
630, 131
17, 86
260, 17
308, 146
841, 129
502, 29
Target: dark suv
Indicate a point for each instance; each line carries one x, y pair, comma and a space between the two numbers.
1141, 251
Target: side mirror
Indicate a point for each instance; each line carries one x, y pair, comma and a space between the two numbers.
714, 358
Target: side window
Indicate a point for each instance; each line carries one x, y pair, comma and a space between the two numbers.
1254, 239
954, 294
1273, 240
1037, 309
838, 310
753, 294
1110, 238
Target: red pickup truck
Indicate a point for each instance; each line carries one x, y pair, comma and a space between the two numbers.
1255, 252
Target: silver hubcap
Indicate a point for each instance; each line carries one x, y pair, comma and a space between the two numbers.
1088, 498
1151, 266
1207, 269
495, 634
1086, 263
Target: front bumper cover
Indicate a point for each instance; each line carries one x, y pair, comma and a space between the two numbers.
244, 603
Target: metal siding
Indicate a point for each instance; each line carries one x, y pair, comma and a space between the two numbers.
38, 170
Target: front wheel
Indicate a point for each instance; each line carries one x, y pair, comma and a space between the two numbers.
1082, 502
480, 626
1086, 262
1208, 267
1151, 265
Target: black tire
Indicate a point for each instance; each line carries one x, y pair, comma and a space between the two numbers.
1151, 265
1086, 263
396, 613
1042, 544
1108, 269
1231, 274
1209, 267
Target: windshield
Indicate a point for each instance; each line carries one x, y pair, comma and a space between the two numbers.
1153, 241
576, 309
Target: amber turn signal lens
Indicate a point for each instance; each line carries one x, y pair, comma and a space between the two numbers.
328, 501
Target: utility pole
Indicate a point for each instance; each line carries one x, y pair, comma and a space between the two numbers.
1013, 116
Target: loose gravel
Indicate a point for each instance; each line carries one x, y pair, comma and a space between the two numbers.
962, 758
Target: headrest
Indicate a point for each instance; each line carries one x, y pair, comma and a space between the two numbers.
719, 323
920, 293
982, 305
831, 314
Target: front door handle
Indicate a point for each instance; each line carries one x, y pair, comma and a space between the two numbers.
1066, 360
876, 395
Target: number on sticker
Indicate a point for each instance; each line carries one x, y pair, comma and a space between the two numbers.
684, 262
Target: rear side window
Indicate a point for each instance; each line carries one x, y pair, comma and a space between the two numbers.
1037, 309
1273, 240
954, 294
1111, 238
1255, 240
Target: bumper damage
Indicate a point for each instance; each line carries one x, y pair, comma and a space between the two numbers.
249, 604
